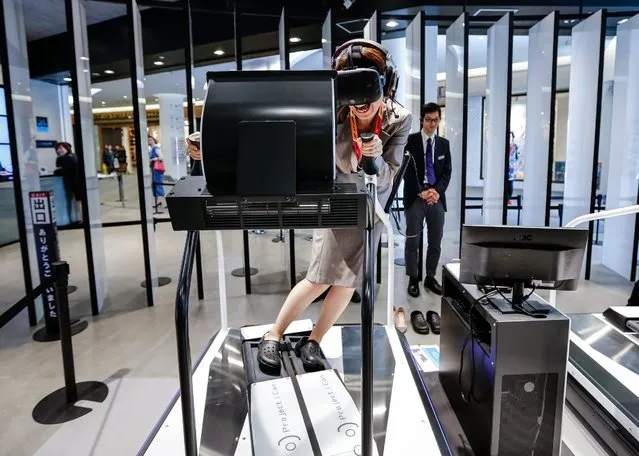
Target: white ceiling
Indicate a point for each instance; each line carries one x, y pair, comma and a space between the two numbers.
47, 17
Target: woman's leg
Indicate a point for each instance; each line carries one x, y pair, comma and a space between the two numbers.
334, 305
300, 297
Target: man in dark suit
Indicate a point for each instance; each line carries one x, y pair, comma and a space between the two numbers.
425, 198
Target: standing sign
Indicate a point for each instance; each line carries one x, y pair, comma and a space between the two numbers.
46, 239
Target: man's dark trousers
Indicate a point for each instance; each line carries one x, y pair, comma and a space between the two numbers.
415, 215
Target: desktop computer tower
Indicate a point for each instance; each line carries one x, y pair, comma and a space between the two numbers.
510, 400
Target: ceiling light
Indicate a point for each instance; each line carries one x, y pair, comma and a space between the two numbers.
158, 63
68, 79
218, 52
109, 71
125, 96
295, 39
95, 74
161, 57
324, 40
392, 24
622, 21
104, 102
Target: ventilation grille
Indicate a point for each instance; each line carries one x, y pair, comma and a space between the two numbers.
325, 212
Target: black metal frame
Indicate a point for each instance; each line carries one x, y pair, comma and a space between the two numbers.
551, 132
196, 166
184, 342
509, 86
139, 135
17, 180
79, 148
595, 158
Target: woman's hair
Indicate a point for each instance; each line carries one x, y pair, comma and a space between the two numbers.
154, 141
375, 56
65, 145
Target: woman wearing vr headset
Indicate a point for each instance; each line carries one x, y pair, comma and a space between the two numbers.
337, 255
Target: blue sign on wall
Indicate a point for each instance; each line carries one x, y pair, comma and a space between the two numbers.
42, 124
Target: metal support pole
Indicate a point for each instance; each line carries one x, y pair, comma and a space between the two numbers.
379, 262
291, 246
184, 345
61, 274
247, 264
367, 320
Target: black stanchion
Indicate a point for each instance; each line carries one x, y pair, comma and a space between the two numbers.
279, 237
59, 406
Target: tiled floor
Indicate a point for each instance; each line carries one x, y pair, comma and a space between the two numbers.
132, 347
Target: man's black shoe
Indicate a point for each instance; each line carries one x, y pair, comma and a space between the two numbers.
433, 321
413, 287
311, 354
431, 284
417, 320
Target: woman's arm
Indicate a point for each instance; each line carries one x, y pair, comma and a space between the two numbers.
392, 156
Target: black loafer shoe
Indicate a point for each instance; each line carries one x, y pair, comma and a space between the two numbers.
356, 297
431, 284
268, 356
311, 355
413, 287
433, 321
418, 322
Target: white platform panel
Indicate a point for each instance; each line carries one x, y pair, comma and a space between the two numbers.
624, 150
582, 115
497, 120
539, 106
370, 29
430, 65
455, 132
413, 71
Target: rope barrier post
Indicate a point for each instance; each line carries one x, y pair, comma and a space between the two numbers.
59, 406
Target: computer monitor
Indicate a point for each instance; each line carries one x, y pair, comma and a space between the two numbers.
269, 133
522, 257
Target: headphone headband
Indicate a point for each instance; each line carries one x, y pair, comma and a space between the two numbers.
389, 74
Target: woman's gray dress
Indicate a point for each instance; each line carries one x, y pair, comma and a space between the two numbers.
337, 255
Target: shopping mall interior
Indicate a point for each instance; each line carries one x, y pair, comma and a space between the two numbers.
538, 106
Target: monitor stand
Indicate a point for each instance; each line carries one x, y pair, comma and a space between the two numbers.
518, 301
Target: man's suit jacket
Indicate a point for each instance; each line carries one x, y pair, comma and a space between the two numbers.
441, 161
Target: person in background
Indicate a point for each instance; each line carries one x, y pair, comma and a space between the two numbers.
157, 170
108, 158
66, 165
425, 198
634, 296
512, 165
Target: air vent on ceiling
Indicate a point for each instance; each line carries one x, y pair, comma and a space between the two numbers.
354, 26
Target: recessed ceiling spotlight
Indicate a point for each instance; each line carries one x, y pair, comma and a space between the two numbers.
104, 102
158, 63
126, 96
109, 71
295, 39
95, 74
68, 79
622, 21
218, 52
324, 40
392, 24
161, 57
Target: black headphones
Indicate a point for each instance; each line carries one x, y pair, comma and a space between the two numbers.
389, 76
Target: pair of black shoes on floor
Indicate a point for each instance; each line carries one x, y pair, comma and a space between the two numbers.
430, 284
268, 355
423, 325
